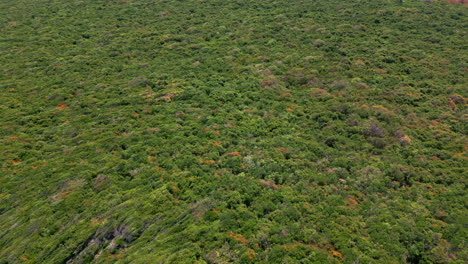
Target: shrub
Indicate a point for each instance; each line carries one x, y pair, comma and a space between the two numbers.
318, 43
373, 130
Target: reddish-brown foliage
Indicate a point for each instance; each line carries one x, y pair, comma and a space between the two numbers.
289, 247
251, 253
61, 195
159, 169
116, 256
168, 97
214, 132
206, 161
351, 201
381, 71
463, 2
234, 154
318, 92
405, 140
290, 108
238, 237
337, 254
267, 83
268, 184
460, 155
61, 106
282, 150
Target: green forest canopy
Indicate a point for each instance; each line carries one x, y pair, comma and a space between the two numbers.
196, 131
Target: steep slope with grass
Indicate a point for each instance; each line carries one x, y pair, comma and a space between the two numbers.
208, 131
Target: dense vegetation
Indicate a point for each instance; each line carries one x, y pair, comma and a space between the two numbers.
209, 131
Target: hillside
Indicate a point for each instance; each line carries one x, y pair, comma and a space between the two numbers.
209, 131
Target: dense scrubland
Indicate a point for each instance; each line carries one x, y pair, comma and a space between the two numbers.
209, 131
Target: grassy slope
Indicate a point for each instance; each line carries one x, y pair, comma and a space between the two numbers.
215, 131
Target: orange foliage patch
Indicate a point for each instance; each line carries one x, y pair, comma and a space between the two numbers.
405, 140
312, 246
238, 237
251, 253
451, 104
268, 184
11, 89
153, 129
168, 97
13, 138
234, 154
61, 106
460, 155
339, 94
463, 2
215, 211
319, 92
95, 222
14, 162
159, 169
381, 109
381, 71
282, 150
359, 62
216, 143
214, 132
351, 201
61, 195
290, 108
175, 188
116, 256
267, 83
206, 161
337, 254
249, 111
229, 124
289, 247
